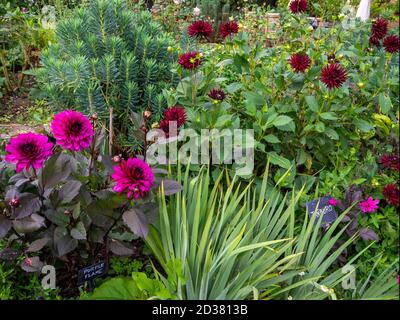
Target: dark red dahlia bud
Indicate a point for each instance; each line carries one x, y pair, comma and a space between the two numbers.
147, 114
14, 202
217, 95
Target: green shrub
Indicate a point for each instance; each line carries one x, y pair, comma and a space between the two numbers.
108, 60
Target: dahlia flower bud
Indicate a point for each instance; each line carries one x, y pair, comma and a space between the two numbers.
14, 202
94, 116
28, 261
147, 114
196, 11
117, 159
170, 49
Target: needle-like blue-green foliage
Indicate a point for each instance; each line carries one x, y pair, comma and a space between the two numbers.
108, 56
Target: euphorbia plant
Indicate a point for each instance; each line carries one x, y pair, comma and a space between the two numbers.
68, 196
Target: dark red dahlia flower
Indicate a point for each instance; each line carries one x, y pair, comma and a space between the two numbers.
392, 44
217, 94
392, 194
333, 75
298, 6
390, 161
133, 177
190, 60
28, 150
300, 62
379, 28
374, 41
176, 113
228, 28
201, 29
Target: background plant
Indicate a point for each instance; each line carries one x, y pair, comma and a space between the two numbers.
108, 60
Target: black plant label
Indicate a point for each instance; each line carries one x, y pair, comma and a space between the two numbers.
322, 207
88, 274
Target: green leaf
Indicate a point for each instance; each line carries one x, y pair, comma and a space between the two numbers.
79, 232
385, 103
279, 160
312, 103
117, 289
272, 139
363, 125
331, 133
328, 116
233, 87
282, 121
320, 127
223, 120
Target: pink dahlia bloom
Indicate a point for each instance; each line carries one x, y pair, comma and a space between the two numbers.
72, 130
28, 150
133, 176
369, 205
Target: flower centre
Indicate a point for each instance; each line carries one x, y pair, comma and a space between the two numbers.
75, 128
137, 173
29, 149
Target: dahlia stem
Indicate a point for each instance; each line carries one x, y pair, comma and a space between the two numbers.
110, 133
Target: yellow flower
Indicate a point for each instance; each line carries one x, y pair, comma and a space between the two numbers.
170, 49
361, 84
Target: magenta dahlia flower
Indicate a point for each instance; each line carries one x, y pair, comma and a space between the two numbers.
379, 28
190, 60
72, 130
369, 205
300, 62
228, 28
201, 29
298, 6
28, 150
333, 75
217, 94
133, 177
392, 44
390, 161
392, 194
332, 202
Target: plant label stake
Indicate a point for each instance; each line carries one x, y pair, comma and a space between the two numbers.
88, 274
322, 207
